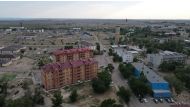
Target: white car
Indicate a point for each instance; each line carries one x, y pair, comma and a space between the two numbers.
145, 100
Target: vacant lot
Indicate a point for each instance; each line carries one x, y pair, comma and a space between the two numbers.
86, 96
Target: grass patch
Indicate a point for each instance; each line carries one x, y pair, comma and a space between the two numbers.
7, 77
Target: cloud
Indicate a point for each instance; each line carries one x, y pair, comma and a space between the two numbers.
147, 9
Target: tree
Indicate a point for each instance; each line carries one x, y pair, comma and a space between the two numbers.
57, 99
109, 103
2, 100
68, 47
139, 87
124, 94
184, 75
169, 66
110, 53
105, 76
73, 96
25, 101
98, 47
43, 60
126, 70
117, 58
25, 85
135, 59
110, 67
175, 83
98, 86
102, 83
38, 98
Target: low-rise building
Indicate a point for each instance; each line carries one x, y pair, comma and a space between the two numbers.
86, 44
155, 60
127, 56
6, 59
12, 49
159, 86
57, 75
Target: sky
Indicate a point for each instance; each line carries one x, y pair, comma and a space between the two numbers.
130, 9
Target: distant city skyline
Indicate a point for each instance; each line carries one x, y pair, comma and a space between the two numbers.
136, 9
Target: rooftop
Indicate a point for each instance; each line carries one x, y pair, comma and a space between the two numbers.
170, 53
7, 56
150, 74
12, 48
74, 50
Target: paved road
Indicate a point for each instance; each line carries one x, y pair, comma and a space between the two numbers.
118, 80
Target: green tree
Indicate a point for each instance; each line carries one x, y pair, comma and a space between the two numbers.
2, 100
139, 87
124, 94
105, 76
98, 47
135, 59
102, 83
176, 84
68, 47
110, 67
126, 70
98, 86
184, 75
109, 103
38, 98
57, 99
169, 66
43, 60
110, 53
73, 96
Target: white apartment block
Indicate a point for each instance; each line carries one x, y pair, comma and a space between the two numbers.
155, 60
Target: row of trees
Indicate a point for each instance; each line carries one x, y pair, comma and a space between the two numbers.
57, 99
183, 74
175, 84
43, 60
117, 58
28, 100
138, 85
169, 66
126, 70
110, 103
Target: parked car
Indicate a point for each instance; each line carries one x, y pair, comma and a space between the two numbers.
141, 100
161, 100
145, 100
172, 100
168, 100
155, 100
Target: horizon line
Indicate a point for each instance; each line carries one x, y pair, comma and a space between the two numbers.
15, 18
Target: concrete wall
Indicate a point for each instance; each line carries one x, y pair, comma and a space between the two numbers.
163, 95
164, 86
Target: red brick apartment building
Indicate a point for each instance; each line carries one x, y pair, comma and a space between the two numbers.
73, 54
59, 74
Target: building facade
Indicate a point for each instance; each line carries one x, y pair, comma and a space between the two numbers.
56, 75
72, 54
155, 60
159, 86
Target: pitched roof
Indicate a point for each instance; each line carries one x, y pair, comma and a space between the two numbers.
70, 51
12, 48
7, 56
150, 74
